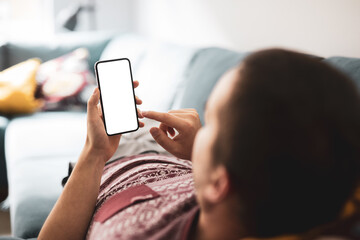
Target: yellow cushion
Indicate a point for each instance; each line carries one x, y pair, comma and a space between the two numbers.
17, 88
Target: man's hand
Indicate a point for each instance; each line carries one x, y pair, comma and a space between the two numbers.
73, 211
98, 143
185, 121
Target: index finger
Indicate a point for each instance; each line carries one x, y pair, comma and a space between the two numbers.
166, 118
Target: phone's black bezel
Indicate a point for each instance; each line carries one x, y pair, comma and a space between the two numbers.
101, 102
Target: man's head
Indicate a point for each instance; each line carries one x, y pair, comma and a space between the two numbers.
282, 137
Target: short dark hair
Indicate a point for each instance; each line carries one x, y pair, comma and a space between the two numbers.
290, 140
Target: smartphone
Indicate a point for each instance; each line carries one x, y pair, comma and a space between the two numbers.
117, 96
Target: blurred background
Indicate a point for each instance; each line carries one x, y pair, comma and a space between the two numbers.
178, 51
322, 27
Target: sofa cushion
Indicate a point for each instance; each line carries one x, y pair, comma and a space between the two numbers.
159, 67
38, 150
18, 87
160, 73
350, 66
2, 55
128, 46
205, 69
46, 49
65, 83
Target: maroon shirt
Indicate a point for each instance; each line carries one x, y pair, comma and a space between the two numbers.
146, 196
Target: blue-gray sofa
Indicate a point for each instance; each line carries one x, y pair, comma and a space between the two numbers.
38, 147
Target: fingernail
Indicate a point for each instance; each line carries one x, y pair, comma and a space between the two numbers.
144, 113
154, 131
94, 90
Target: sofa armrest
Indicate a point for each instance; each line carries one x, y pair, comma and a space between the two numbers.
38, 149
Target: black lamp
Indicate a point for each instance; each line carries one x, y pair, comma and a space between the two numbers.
68, 17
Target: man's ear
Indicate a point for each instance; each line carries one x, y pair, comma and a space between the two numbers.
218, 187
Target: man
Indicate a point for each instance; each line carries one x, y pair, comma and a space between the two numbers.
278, 156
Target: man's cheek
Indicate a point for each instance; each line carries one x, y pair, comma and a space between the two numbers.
195, 149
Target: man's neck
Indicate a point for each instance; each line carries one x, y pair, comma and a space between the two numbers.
221, 226
216, 225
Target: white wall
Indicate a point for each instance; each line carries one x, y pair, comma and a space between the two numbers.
20, 18
109, 14
323, 27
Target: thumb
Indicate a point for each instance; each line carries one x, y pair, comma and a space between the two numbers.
162, 139
92, 102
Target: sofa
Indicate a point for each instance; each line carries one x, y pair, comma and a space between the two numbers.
39, 147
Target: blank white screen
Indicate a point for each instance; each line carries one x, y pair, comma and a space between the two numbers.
114, 79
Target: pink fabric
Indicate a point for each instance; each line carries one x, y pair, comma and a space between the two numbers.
124, 199
167, 214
